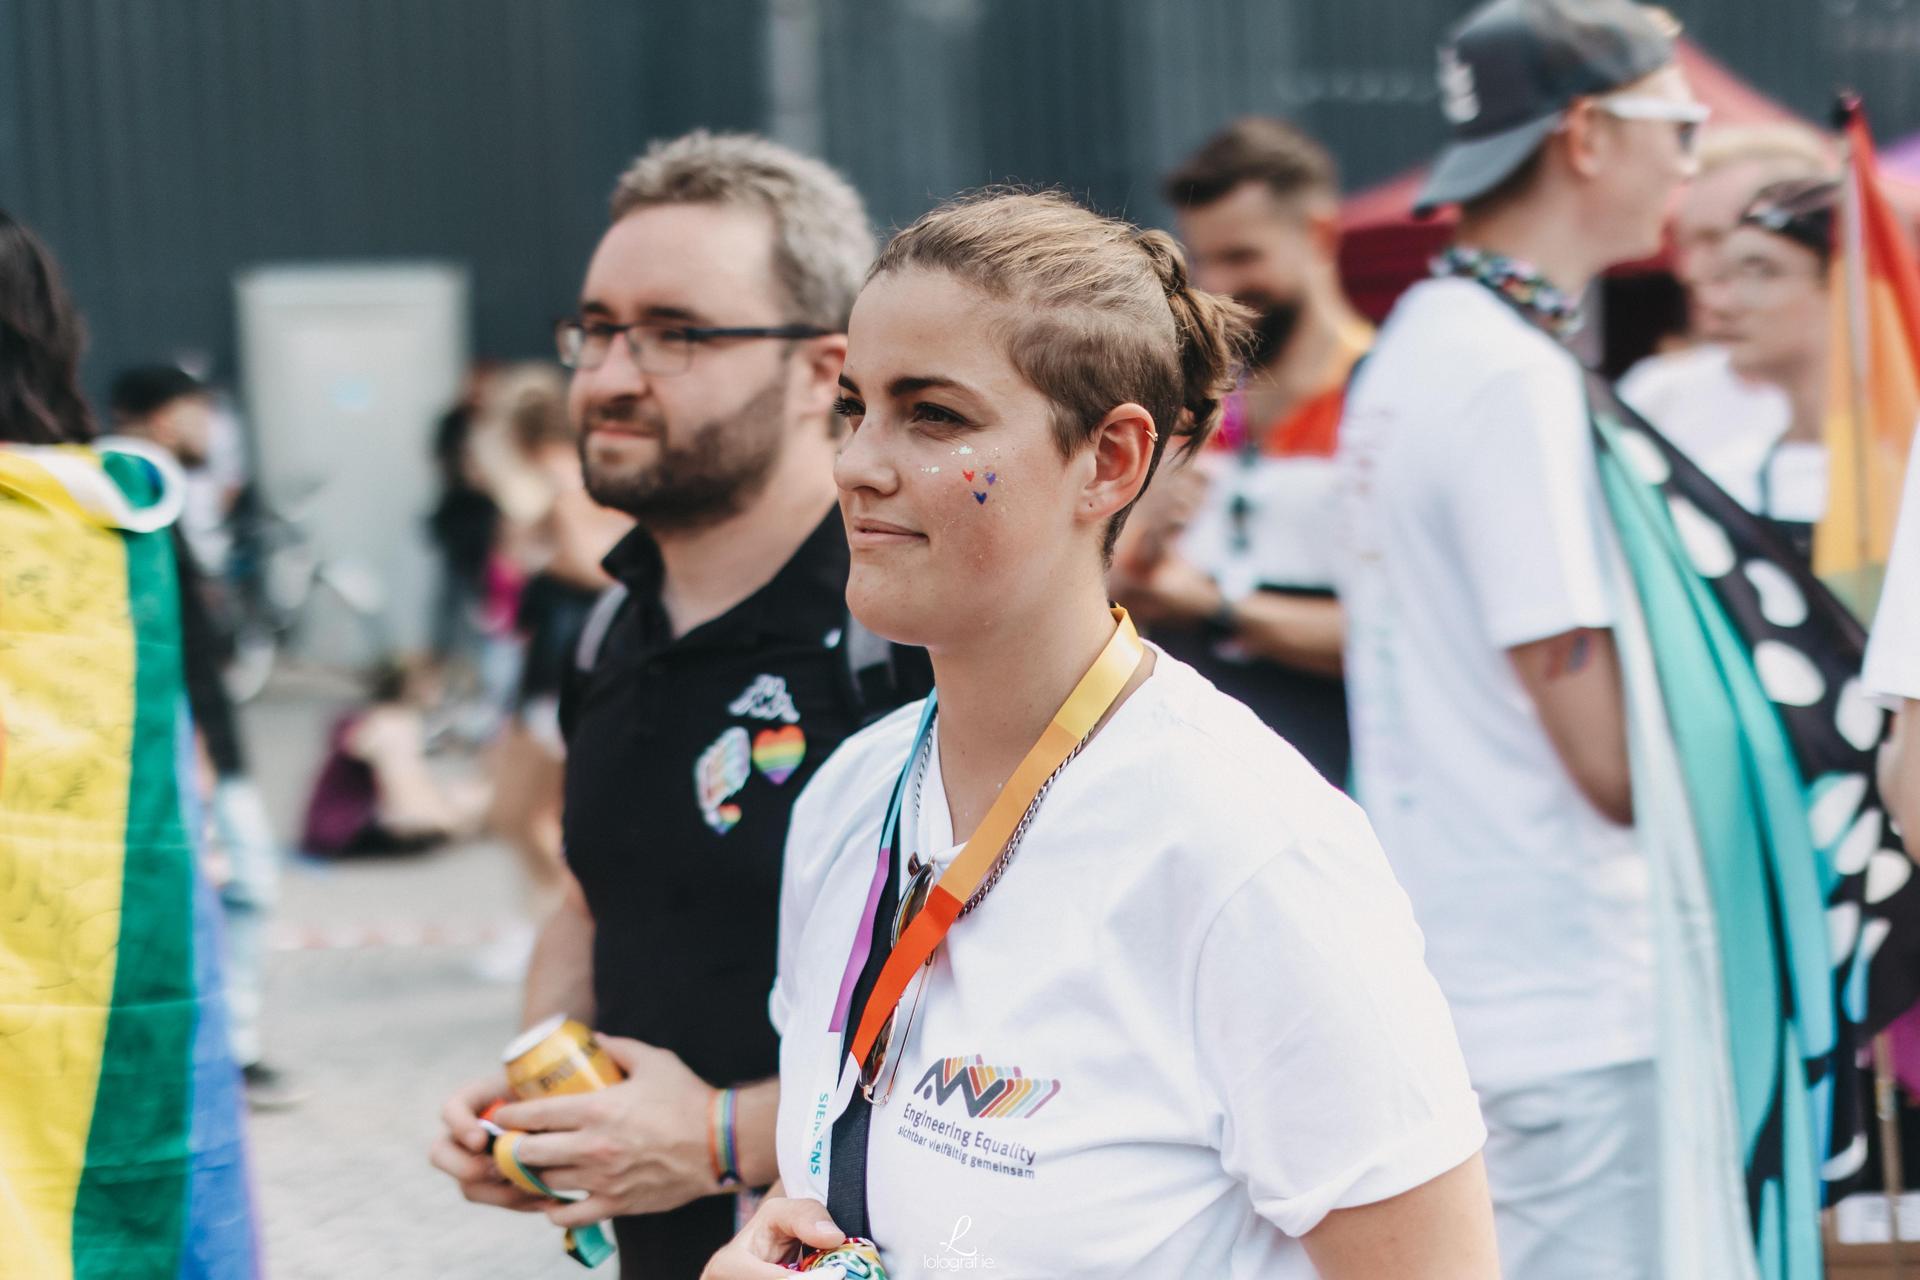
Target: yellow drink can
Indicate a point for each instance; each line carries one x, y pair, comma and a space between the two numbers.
560, 1055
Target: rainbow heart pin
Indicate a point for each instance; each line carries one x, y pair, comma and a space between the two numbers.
778, 752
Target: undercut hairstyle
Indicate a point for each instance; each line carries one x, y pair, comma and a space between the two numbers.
1273, 153
41, 340
822, 239
1100, 313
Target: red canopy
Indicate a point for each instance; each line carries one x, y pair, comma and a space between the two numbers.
1384, 248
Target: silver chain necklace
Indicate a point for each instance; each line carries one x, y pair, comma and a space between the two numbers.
925, 765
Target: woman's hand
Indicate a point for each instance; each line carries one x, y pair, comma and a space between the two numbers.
777, 1233
460, 1151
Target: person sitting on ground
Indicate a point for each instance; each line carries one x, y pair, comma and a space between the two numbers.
376, 792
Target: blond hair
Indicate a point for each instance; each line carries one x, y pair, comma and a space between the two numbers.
1102, 312
1794, 149
822, 240
522, 408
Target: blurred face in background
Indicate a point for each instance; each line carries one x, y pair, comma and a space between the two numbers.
1262, 250
1708, 208
693, 440
1770, 305
183, 426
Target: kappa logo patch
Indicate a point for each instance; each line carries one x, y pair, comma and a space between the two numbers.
766, 699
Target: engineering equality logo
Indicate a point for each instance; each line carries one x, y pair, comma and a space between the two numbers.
990, 1093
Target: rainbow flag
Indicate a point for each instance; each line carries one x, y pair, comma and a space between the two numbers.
121, 1149
1874, 389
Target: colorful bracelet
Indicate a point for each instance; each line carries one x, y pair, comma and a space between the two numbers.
722, 1137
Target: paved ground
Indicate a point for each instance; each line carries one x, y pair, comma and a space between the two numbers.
374, 1003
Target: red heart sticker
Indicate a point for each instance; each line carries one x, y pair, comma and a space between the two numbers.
968, 475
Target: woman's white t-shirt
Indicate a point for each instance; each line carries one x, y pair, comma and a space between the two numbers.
1190, 1020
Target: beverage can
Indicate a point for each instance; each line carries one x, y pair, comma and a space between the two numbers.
560, 1055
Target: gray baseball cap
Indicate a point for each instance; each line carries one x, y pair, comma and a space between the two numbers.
1510, 70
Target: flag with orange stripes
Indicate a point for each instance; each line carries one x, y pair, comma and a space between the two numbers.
1874, 389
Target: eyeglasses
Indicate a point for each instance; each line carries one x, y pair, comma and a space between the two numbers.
913, 900
1687, 117
585, 344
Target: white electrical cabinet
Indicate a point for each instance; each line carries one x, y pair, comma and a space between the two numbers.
345, 370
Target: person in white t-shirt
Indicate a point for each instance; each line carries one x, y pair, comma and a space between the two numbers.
1241, 585
1892, 670
1188, 1031
1728, 423
1490, 738
1771, 276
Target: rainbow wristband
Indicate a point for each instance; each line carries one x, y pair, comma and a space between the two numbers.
722, 1139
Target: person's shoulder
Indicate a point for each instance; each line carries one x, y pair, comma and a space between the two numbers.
1460, 334
842, 807
1244, 795
862, 768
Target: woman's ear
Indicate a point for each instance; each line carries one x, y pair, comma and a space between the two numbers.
1123, 448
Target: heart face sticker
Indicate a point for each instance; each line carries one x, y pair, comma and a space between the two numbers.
778, 752
968, 476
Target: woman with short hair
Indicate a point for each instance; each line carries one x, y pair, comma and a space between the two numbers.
1083, 971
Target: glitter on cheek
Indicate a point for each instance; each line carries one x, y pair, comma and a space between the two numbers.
964, 451
932, 471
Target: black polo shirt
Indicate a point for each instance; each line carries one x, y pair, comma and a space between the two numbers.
684, 759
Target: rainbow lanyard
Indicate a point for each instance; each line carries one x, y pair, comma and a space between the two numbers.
1091, 699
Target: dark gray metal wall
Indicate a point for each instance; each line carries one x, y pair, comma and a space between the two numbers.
162, 144
925, 96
